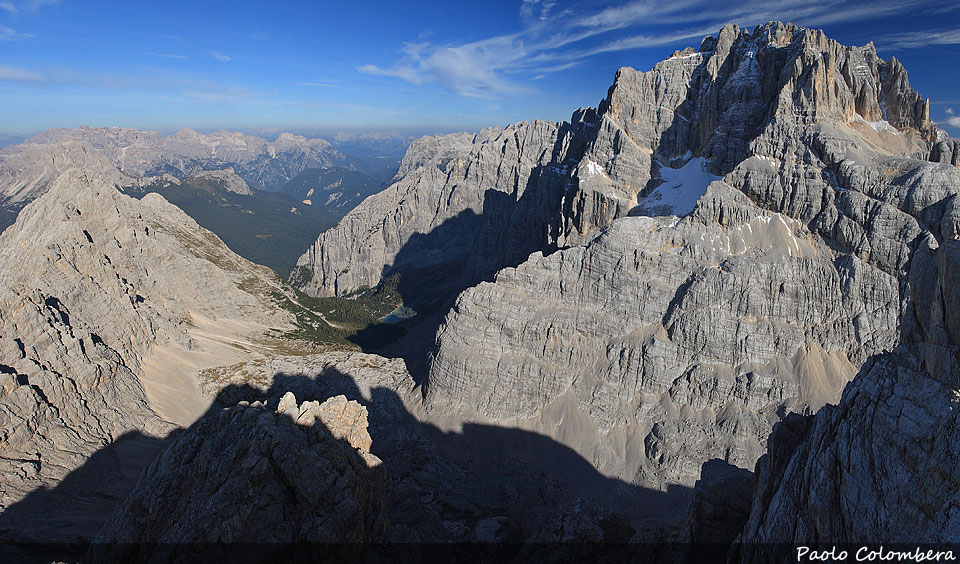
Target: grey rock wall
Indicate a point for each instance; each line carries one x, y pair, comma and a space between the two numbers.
91, 283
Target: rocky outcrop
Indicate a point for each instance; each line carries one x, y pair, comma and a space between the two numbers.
720, 506
946, 151
455, 481
251, 474
107, 305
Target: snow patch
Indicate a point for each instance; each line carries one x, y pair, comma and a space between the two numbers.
690, 56
680, 190
882, 125
593, 169
748, 72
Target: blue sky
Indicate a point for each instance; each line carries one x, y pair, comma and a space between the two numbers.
316, 66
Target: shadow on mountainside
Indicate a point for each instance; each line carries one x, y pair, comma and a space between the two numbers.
481, 484
468, 249
57, 522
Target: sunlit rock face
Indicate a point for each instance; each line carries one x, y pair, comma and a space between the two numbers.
105, 301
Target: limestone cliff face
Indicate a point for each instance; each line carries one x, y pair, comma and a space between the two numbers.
439, 210
93, 286
781, 208
881, 465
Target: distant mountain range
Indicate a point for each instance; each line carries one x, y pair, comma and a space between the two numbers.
268, 200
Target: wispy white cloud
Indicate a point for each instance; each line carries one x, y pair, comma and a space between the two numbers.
553, 40
917, 39
953, 121
28, 6
167, 55
320, 84
10, 34
16, 74
220, 57
260, 35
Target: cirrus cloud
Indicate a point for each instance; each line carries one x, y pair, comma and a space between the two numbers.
552, 40
220, 57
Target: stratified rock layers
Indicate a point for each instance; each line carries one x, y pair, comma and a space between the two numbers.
882, 465
91, 283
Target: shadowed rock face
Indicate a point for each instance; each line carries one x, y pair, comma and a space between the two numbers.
441, 180
474, 482
293, 473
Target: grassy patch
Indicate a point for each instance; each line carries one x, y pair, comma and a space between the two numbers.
349, 322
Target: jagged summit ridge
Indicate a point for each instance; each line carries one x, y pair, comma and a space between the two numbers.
143, 153
741, 92
130, 157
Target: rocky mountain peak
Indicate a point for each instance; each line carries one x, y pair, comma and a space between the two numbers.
742, 94
27, 169
108, 307
715, 101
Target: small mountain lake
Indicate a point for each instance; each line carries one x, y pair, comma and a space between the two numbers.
402, 313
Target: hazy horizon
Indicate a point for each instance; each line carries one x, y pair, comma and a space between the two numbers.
379, 66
